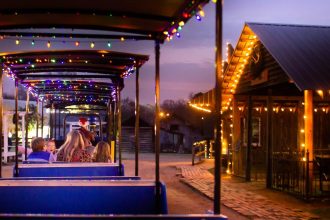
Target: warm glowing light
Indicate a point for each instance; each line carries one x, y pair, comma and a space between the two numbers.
122, 39
48, 44
77, 43
302, 131
181, 23
92, 45
200, 108
17, 42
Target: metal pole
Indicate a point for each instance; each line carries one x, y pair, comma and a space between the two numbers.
217, 109
42, 118
115, 106
109, 122
55, 130
50, 135
37, 130
249, 140
269, 137
1, 124
137, 121
26, 123
59, 124
119, 128
16, 128
157, 124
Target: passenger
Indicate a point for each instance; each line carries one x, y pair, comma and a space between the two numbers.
51, 147
39, 153
73, 149
87, 135
102, 152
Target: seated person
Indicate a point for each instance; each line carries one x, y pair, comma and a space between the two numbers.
73, 149
51, 147
39, 153
102, 152
87, 135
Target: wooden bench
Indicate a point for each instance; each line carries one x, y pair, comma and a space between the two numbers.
87, 197
69, 169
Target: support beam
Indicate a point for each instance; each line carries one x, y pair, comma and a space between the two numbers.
217, 110
269, 140
157, 124
119, 128
59, 124
37, 130
42, 118
16, 129
26, 123
308, 95
249, 141
54, 129
114, 124
235, 138
2, 131
137, 120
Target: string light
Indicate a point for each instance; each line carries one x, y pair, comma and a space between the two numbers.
17, 42
48, 44
77, 43
92, 45
32, 43
109, 44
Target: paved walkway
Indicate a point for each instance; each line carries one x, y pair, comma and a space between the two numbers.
247, 203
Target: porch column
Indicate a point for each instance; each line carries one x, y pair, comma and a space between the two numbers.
308, 96
236, 135
217, 109
249, 140
269, 140
59, 123
114, 119
137, 119
157, 123
2, 131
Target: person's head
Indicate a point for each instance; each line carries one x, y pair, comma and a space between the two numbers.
83, 122
103, 153
73, 141
51, 147
38, 144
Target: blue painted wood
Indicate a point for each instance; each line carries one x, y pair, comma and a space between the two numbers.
69, 169
79, 197
74, 217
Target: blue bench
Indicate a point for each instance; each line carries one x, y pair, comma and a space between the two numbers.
69, 169
76, 178
87, 197
90, 217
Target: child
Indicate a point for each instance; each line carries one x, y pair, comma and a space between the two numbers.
51, 148
102, 152
39, 153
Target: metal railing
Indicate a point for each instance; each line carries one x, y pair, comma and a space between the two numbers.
302, 177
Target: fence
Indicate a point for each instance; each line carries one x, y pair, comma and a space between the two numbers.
299, 176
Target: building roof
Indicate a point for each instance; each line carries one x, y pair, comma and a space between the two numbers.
301, 51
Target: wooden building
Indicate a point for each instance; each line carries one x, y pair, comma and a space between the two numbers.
276, 99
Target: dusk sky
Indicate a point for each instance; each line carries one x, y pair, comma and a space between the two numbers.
187, 64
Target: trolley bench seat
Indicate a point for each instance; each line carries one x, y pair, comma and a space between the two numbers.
93, 197
69, 169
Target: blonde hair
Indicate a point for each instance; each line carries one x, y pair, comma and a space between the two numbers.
73, 141
38, 144
103, 153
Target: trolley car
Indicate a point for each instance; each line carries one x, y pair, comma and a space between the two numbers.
62, 78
